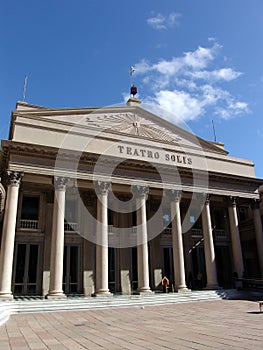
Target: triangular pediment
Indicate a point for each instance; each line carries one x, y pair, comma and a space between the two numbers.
133, 122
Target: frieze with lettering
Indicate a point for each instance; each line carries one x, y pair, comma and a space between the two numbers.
148, 154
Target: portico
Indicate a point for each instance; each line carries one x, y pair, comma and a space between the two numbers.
118, 208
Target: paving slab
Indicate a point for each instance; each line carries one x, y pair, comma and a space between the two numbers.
217, 324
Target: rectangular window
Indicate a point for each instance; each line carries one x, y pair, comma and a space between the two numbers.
30, 213
30, 208
167, 220
71, 211
134, 217
219, 218
110, 217
243, 214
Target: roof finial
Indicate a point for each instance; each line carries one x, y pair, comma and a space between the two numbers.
133, 90
133, 101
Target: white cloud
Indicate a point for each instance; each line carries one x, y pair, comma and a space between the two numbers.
168, 67
190, 63
173, 19
157, 22
226, 74
180, 103
142, 67
161, 22
233, 108
190, 85
201, 57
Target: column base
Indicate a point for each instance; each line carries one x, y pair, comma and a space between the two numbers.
183, 290
60, 295
102, 293
6, 296
144, 291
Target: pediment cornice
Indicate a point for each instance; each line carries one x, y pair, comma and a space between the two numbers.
132, 121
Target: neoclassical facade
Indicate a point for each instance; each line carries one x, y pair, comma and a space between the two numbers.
96, 201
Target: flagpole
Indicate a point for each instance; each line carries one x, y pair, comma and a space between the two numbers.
132, 70
24, 89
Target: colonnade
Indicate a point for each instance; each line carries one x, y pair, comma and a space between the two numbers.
140, 193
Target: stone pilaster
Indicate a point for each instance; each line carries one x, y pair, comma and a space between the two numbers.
141, 193
235, 238
210, 261
177, 240
8, 235
57, 240
259, 233
102, 288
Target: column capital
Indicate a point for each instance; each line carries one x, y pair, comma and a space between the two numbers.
233, 201
60, 183
140, 191
207, 198
102, 187
173, 195
14, 178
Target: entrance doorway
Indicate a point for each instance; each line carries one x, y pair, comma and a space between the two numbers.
198, 268
168, 265
71, 269
134, 269
223, 264
112, 269
26, 270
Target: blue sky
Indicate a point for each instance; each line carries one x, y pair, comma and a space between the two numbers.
201, 59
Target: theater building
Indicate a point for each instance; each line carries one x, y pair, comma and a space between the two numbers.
96, 201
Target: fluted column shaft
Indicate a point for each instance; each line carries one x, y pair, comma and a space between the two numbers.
177, 241
235, 238
8, 235
259, 234
210, 261
141, 193
102, 273
57, 241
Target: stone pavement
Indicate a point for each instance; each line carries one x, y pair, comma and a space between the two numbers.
219, 324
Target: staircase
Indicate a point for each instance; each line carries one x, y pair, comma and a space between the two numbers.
39, 304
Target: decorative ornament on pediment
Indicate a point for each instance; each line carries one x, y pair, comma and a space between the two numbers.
133, 124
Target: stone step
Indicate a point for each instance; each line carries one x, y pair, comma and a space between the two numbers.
37, 304
77, 303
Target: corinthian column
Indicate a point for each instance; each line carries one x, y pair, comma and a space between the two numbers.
141, 193
102, 288
57, 241
178, 250
235, 238
8, 235
210, 261
259, 233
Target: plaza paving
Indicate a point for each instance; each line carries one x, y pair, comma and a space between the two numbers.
219, 324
